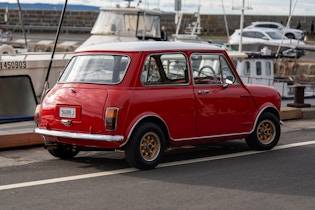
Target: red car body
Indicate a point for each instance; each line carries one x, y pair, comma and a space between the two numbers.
163, 94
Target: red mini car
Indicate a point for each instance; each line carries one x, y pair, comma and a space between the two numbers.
143, 97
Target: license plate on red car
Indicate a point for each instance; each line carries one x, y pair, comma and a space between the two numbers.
66, 112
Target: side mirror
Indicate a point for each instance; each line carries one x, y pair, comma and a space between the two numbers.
265, 38
228, 81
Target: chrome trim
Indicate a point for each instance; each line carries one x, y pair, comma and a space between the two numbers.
66, 122
95, 137
210, 137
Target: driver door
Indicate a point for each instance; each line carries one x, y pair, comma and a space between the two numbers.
224, 105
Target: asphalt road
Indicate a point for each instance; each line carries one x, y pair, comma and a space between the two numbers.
217, 176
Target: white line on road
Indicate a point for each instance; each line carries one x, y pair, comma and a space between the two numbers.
162, 165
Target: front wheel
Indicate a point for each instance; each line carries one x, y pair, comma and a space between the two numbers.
266, 134
146, 146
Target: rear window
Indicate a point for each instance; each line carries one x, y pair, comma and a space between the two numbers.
100, 69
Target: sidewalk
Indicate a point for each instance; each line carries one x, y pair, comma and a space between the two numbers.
21, 133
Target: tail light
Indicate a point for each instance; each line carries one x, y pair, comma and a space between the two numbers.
37, 114
111, 118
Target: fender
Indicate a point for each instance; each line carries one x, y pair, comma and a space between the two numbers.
261, 110
136, 122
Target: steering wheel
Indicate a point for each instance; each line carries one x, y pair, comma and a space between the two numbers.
208, 74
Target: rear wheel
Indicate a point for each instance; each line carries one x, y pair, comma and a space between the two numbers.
63, 151
266, 134
146, 146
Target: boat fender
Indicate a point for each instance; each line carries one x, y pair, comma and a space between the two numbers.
7, 49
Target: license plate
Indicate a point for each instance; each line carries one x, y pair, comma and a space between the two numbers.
67, 112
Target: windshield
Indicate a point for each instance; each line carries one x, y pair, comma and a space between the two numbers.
127, 24
275, 35
100, 69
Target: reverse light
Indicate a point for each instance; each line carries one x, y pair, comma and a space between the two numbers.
111, 118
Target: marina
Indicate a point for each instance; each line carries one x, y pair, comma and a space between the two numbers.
145, 25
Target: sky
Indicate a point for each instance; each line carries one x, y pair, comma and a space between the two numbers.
259, 7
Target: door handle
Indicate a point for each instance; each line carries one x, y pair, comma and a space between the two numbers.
200, 92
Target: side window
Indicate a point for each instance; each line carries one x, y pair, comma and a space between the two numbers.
259, 35
175, 67
273, 26
246, 70
150, 72
248, 34
163, 69
211, 69
268, 69
227, 75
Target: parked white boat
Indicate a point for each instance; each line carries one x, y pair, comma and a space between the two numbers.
112, 25
261, 69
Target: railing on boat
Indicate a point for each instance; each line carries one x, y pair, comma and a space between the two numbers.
284, 85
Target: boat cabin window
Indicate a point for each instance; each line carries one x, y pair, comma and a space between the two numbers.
258, 68
246, 70
127, 23
268, 69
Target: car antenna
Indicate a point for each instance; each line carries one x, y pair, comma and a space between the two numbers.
46, 83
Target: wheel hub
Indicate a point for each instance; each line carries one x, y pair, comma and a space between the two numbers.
149, 147
266, 132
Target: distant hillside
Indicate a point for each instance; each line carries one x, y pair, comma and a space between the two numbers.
39, 6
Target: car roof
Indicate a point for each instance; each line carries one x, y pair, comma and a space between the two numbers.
148, 46
265, 22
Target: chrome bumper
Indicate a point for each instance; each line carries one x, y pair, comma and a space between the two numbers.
71, 135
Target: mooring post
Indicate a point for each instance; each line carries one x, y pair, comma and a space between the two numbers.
299, 97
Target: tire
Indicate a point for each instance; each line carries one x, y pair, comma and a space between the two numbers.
266, 134
145, 147
63, 151
290, 36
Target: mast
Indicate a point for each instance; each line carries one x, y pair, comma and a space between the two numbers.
22, 23
240, 49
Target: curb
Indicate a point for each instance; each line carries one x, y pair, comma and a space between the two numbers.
291, 113
19, 134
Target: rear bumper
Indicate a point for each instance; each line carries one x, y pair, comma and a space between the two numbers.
95, 137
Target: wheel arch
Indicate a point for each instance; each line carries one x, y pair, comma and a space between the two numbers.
153, 119
266, 109
290, 35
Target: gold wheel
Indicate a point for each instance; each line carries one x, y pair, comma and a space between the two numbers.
150, 146
266, 132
